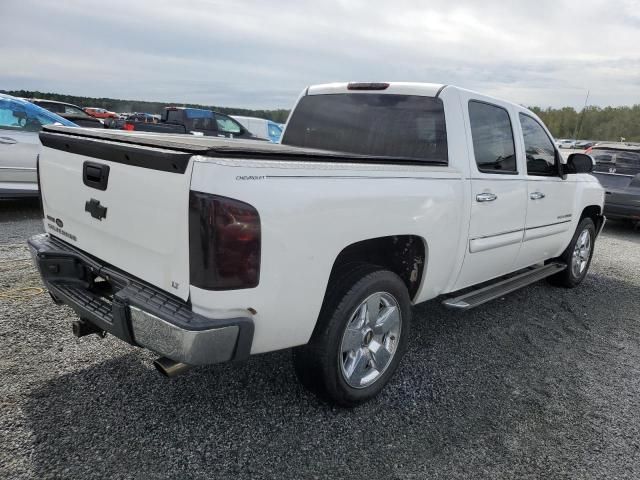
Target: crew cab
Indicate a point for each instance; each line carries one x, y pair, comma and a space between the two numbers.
380, 196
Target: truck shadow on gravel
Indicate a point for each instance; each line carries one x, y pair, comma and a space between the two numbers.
541, 383
20, 209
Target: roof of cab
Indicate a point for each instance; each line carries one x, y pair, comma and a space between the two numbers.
398, 88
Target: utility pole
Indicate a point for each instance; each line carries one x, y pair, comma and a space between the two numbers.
580, 118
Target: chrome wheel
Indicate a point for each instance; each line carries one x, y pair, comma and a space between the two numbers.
581, 253
370, 340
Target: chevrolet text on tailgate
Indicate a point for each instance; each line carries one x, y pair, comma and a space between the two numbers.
381, 196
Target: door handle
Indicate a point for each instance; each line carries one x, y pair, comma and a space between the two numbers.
8, 140
537, 196
486, 197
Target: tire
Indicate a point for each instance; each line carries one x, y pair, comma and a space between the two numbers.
577, 259
350, 378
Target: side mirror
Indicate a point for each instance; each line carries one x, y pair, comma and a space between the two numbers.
579, 163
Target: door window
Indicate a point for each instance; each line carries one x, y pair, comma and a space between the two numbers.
26, 116
492, 135
227, 125
541, 154
12, 116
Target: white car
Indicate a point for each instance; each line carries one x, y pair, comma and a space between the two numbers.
20, 122
381, 196
261, 127
565, 143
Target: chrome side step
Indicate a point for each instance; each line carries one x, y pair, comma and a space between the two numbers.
498, 289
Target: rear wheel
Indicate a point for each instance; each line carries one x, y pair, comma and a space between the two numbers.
360, 338
577, 256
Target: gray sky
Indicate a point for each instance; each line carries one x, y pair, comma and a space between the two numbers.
261, 54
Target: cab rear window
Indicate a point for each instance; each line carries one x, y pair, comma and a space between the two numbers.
383, 125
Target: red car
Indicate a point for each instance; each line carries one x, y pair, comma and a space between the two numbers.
100, 112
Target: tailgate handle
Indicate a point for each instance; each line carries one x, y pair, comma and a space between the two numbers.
95, 175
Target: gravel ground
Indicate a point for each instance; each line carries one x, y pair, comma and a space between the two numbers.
541, 384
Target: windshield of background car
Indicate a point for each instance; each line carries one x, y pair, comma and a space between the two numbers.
62, 109
624, 162
75, 111
27, 116
382, 125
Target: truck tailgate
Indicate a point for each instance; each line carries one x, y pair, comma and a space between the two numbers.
124, 204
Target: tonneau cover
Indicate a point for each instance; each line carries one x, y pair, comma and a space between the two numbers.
208, 146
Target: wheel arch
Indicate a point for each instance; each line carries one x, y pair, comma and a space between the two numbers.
594, 212
405, 255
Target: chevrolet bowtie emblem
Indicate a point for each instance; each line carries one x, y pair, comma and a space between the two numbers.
95, 209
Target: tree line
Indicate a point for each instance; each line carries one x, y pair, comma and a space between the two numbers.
592, 123
130, 106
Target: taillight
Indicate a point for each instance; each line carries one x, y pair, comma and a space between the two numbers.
224, 243
129, 126
588, 150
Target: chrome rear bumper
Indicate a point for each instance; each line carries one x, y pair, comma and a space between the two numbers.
135, 311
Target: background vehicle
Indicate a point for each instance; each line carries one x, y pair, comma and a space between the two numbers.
191, 120
565, 143
617, 167
100, 112
73, 113
209, 250
20, 122
584, 144
261, 127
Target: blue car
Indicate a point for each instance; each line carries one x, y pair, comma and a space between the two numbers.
20, 122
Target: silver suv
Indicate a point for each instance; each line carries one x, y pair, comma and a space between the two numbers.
20, 122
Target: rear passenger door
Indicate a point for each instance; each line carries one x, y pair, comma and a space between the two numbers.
498, 192
550, 198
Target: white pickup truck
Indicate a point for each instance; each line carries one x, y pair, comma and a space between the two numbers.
381, 196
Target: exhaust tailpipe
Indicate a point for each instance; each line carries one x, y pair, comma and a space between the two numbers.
169, 368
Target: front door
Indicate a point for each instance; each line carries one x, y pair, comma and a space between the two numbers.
498, 191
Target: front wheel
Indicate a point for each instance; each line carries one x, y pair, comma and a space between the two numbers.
577, 256
360, 338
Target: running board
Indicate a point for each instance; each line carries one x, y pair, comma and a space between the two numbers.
498, 289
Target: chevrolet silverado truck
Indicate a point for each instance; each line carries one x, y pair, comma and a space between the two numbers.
381, 196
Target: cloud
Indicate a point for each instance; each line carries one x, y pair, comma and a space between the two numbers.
262, 54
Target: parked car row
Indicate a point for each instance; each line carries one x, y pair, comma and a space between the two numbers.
568, 143
179, 120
